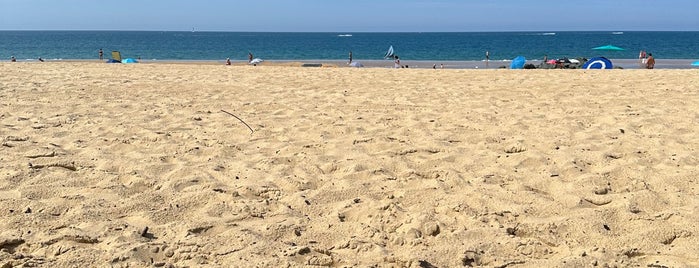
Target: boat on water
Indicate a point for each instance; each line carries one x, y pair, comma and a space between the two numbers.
617, 33
548, 33
344, 35
390, 54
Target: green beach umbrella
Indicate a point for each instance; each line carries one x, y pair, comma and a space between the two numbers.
609, 48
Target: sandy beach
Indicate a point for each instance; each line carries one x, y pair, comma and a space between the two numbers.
153, 165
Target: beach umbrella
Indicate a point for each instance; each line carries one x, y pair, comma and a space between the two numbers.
598, 63
518, 62
256, 61
356, 64
609, 48
696, 63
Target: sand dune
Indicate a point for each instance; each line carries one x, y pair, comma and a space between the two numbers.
137, 165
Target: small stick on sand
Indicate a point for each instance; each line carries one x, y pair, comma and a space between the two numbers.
241, 120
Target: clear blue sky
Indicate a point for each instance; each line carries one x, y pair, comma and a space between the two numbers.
351, 15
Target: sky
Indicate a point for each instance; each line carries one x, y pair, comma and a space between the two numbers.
351, 15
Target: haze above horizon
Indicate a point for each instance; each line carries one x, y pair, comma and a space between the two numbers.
356, 16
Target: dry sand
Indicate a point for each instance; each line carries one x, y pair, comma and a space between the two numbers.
136, 165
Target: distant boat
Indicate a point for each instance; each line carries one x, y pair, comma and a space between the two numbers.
389, 54
344, 35
617, 32
548, 34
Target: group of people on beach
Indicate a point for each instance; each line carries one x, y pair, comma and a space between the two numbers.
646, 60
250, 58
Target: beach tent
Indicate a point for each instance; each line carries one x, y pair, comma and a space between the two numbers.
518, 62
256, 61
598, 63
116, 56
129, 60
696, 63
356, 64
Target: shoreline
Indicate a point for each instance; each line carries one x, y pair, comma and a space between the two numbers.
418, 64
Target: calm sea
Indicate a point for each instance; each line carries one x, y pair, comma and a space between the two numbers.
335, 46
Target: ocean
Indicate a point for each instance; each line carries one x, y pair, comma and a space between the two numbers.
471, 46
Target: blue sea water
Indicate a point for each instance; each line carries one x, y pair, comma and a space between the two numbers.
335, 46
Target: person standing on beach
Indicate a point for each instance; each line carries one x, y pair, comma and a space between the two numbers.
101, 54
350, 57
396, 62
650, 62
249, 57
487, 58
228, 61
13, 59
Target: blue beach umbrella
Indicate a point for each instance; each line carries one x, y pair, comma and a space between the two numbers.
518, 62
598, 63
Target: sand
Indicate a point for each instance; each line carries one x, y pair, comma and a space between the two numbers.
107, 165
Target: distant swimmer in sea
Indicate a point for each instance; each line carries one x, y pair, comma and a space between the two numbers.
650, 62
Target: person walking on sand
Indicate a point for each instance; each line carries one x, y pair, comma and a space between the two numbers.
650, 62
249, 57
101, 54
350, 57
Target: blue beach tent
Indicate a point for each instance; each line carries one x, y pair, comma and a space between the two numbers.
518, 62
598, 63
696, 63
129, 60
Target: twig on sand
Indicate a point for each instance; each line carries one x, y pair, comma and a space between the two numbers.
241, 120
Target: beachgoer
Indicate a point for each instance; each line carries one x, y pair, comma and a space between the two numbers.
13, 59
546, 58
41, 60
441, 66
350, 57
434, 66
228, 61
101, 54
396, 62
487, 58
650, 62
249, 57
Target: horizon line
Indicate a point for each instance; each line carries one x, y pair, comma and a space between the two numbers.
244, 31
